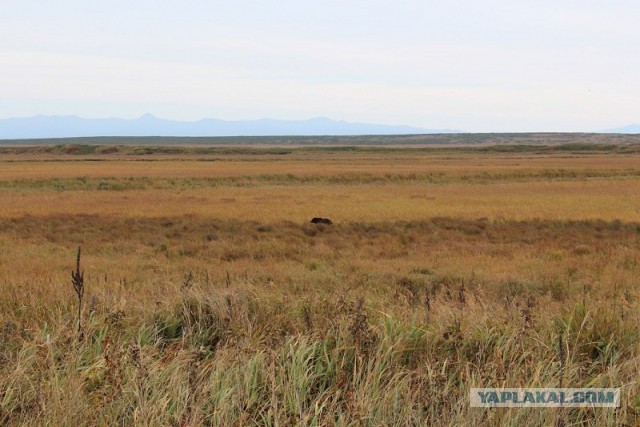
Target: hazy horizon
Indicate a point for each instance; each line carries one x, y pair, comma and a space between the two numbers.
70, 126
627, 128
493, 67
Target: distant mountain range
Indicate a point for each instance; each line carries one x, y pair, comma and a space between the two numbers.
624, 129
149, 125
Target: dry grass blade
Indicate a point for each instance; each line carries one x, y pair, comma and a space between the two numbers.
77, 280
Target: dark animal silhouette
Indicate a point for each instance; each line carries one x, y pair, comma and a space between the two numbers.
321, 221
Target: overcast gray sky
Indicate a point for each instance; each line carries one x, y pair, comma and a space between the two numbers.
539, 65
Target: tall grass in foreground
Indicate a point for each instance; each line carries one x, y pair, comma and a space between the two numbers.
249, 354
194, 321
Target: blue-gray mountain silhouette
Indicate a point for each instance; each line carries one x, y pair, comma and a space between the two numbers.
624, 129
148, 125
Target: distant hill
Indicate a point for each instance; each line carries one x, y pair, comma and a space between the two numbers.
149, 125
624, 129
503, 142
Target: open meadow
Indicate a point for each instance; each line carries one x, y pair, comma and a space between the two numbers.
209, 298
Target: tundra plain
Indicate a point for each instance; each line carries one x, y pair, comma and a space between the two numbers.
211, 300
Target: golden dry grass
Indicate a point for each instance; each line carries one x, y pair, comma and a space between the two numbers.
404, 162
583, 199
214, 302
366, 187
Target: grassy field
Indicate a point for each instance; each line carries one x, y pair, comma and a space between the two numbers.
209, 298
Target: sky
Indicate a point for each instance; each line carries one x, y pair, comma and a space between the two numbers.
477, 66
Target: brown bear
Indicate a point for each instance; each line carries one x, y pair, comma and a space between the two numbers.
321, 221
